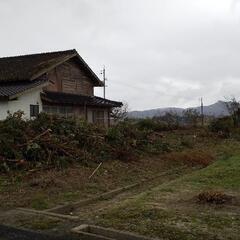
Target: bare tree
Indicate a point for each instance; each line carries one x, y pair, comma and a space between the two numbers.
191, 116
120, 113
233, 107
172, 119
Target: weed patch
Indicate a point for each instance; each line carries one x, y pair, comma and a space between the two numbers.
192, 157
39, 203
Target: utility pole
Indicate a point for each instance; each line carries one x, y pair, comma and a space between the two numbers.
202, 115
104, 82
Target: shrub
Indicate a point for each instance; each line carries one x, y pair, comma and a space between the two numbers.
126, 139
153, 125
146, 124
187, 142
222, 126
158, 146
53, 141
191, 117
236, 134
161, 126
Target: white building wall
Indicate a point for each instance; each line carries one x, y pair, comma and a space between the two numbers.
22, 103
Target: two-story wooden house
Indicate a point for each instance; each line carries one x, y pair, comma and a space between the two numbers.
56, 83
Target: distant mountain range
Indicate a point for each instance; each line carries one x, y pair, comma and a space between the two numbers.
217, 109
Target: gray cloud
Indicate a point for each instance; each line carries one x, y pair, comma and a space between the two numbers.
157, 52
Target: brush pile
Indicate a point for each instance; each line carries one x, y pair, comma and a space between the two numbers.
213, 197
52, 141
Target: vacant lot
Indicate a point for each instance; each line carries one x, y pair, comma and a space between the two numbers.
197, 198
41, 189
173, 210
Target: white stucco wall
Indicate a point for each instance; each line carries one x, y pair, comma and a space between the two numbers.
22, 103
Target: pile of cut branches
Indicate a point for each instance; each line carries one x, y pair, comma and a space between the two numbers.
53, 141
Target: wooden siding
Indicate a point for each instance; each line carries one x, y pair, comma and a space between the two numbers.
65, 110
83, 112
69, 77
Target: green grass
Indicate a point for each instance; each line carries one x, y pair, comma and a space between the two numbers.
40, 202
223, 174
170, 211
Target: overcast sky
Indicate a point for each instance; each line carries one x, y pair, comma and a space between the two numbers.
157, 53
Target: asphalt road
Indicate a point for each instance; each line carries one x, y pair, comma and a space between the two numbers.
11, 233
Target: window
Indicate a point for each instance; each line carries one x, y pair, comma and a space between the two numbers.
34, 110
98, 116
66, 111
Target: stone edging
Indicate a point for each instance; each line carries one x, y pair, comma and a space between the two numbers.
50, 214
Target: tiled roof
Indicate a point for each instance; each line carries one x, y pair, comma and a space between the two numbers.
29, 67
77, 99
11, 90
